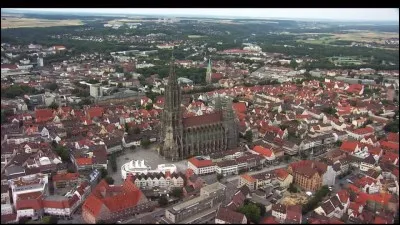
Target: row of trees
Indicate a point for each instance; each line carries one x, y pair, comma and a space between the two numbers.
19, 91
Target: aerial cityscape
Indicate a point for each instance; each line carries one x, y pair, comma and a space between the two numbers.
199, 116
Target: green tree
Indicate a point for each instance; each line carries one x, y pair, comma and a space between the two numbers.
109, 180
292, 188
329, 110
249, 136
293, 64
145, 142
286, 158
3, 117
136, 130
103, 173
126, 127
219, 176
119, 69
176, 192
51, 86
113, 162
128, 76
53, 105
163, 201
149, 106
251, 211
392, 126
63, 152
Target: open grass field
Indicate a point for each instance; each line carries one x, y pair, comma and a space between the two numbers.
15, 22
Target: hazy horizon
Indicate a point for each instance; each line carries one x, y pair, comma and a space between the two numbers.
340, 14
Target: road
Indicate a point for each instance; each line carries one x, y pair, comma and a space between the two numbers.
265, 169
150, 217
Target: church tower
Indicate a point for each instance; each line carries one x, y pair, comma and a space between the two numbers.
209, 72
171, 124
230, 124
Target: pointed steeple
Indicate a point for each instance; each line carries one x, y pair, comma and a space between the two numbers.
209, 66
172, 74
209, 71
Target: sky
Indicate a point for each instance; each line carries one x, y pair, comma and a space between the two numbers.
353, 14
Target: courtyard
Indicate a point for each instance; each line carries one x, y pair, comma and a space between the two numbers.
294, 198
150, 156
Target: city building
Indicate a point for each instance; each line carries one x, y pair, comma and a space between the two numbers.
136, 167
110, 202
152, 180
207, 203
195, 135
63, 180
308, 174
95, 90
227, 216
28, 184
201, 165
40, 62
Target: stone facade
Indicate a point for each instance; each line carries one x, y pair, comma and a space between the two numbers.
199, 135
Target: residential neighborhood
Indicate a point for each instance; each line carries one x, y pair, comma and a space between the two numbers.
222, 135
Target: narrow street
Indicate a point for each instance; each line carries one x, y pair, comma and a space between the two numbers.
265, 169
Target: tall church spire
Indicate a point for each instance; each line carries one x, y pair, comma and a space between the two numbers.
172, 75
209, 72
171, 126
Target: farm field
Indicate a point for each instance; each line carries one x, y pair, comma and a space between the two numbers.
15, 22
356, 36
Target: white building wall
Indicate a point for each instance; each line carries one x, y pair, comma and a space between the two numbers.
6, 209
25, 213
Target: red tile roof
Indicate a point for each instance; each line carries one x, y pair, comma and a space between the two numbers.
43, 115
269, 220
239, 107
95, 112
66, 176
217, 76
200, 163
84, 161
382, 198
343, 196
57, 204
393, 137
9, 66
229, 216
349, 146
30, 195
8, 218
115, 198
281, 173
35, 204
263, 151
248, 177
202, 120
389, 145
362, 131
